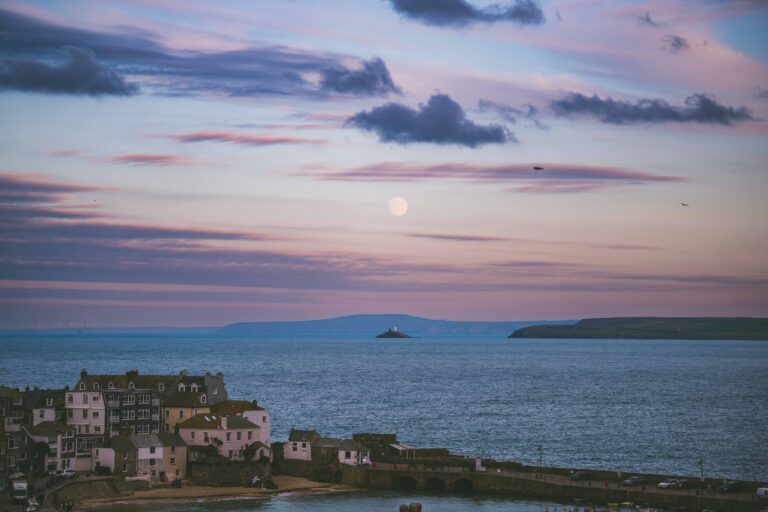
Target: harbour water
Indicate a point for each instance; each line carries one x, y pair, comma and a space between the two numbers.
628, 405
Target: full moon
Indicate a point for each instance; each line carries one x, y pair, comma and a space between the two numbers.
398, 206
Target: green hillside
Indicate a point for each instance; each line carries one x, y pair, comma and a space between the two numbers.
652, 328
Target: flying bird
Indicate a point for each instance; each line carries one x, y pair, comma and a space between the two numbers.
685, 204
537, 168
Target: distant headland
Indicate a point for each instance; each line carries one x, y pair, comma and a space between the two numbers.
653, 328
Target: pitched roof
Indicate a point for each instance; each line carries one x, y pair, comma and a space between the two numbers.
8, 391
121, 444
171, 440
49, 428
146, 441
214, 422
302, 436
236, 407
327, 442
184, 399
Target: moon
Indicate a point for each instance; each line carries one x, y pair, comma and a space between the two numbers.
398, 206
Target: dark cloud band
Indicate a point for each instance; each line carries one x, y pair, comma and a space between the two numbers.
698, 108
461, 12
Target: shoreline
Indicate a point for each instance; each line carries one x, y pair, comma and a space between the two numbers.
195, 493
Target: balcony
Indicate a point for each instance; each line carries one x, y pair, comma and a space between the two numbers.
155, 417
156, 401
113, 403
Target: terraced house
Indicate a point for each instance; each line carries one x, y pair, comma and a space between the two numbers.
233, 437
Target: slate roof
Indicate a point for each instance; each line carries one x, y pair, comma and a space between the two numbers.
184, 399
121, 444
339, 444
235, 407
211, 421
146, 441
303, 436
171, 440
49, 428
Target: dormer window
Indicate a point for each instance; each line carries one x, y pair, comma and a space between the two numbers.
161, 387
131, 386
95, 386
193, 387
203, 399
82, 385
182, 388
110, 385
49, 402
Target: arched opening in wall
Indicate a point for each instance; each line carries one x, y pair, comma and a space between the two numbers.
463, 486
406, 483
434, 484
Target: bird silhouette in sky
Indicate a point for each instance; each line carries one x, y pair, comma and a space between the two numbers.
537, 168
684, 204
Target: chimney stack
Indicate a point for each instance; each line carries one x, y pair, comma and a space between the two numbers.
83, 373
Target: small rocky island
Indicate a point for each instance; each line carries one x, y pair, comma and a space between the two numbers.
393, 333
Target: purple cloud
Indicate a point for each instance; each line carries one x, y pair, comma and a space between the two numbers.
460, 12
149, 159
245, 139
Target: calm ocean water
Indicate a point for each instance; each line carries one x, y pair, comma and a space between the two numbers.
634, 406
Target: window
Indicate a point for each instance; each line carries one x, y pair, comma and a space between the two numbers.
129, 399
131, 386
125, 468
70, 398
95, 414
239, 436
95, 386
129, 415
70, 413
229, 436
250, 435
192, 434
347, 455
203, 399
16, 401
193, 388
294, 447
154, 472
151, 449
110, 385
95, 398
173, 460
205, 435
82, 385
97, 429
42, 413
161, 387
303, 445
231, 453
125, 456
182, 387
85, 414
48, 402
87, 429
151, 462
173, 449
143, 414
263, 419
144, 398
177, 472
143, 428
85, 398
181, 414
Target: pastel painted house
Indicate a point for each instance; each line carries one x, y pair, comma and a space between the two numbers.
230, 436
299, 445
249, 410
345, 451
152, 457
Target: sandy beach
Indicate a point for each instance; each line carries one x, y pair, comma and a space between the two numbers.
284, 484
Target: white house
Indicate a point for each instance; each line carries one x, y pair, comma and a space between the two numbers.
299, 445
346, 451
251, 411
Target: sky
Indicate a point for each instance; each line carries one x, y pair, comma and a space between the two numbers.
168, 163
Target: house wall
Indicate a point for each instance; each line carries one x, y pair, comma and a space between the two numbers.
104, 457
233, 445
175, 462
263, 420
85, 411
42, 415
356, 458
297, 451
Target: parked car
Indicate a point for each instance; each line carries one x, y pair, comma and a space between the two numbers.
580, 476
632, 481
762, 493
66, 473
669, 483
727, 487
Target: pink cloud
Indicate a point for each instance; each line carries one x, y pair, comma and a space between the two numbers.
245, 139
149, 159
554, 178
63, 152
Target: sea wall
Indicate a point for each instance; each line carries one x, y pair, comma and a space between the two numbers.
227, 473
88, 489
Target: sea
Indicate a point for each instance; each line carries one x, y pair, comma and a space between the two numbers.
669, 407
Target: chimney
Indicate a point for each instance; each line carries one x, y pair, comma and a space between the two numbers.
132, 373
183, 373
83, 373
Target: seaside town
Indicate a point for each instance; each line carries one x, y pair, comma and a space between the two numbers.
110, 437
